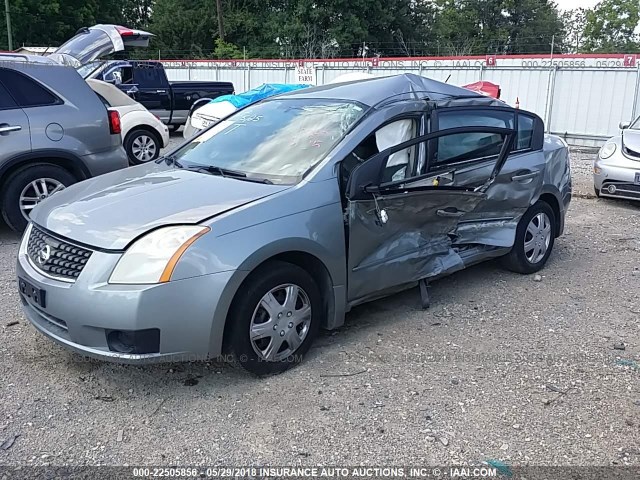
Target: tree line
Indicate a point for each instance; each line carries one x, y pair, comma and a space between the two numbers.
338, 28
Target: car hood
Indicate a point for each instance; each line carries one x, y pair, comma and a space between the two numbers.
111, 210
631, 140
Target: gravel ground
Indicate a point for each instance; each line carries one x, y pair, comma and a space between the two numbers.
501, 367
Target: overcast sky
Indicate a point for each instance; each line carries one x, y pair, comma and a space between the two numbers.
569, 4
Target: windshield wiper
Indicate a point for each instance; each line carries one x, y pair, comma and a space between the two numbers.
225, 172
170, 160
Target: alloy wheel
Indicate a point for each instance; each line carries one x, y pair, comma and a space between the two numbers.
37, 191
144, 148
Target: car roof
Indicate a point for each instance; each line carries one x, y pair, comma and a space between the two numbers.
375, 91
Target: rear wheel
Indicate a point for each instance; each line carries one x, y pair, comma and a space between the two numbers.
275, 320
534, 241
27, 187
142, 146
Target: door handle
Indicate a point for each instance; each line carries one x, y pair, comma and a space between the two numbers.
524, 177
10, 128
453, 213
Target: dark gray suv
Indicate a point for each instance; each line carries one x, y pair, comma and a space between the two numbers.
54, 131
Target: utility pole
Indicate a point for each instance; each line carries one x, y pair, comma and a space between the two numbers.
9, 36
220, 25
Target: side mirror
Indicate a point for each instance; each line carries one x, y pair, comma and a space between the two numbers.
624, 125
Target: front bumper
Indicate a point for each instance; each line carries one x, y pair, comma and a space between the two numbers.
81, 315
616, 177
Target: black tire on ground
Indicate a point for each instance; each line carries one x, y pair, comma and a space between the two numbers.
18, 180
597, 191
132, 136
516, 260
173, 128
262, 281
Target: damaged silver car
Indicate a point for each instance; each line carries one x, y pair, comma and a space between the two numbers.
276, 221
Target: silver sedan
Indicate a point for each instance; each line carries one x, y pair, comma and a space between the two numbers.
616, 171
276, 221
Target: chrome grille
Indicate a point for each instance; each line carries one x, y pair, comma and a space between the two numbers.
55, 257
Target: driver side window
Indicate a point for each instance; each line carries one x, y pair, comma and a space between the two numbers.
120, 76
399, 165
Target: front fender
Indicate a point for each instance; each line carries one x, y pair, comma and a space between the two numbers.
318, 232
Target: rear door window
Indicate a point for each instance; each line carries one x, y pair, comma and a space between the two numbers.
6, 102
26, 91
470, 146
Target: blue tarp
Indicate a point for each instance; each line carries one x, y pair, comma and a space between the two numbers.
259, 93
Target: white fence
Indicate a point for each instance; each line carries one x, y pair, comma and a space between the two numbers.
581, 98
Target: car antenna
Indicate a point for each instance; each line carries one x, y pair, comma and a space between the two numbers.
447, 80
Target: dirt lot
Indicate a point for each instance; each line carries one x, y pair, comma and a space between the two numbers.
501, 367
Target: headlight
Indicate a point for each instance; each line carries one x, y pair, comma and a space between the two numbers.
607, 150
153, 258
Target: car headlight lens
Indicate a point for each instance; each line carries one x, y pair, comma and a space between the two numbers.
152, 258
607, 150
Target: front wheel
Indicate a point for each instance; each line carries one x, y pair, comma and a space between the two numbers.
274, 319
534, 241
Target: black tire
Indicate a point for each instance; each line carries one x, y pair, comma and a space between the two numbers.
597, 191
173, 128
137, 134
516, 260
19, 180
261, 282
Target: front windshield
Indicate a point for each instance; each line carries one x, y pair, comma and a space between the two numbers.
277, 140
